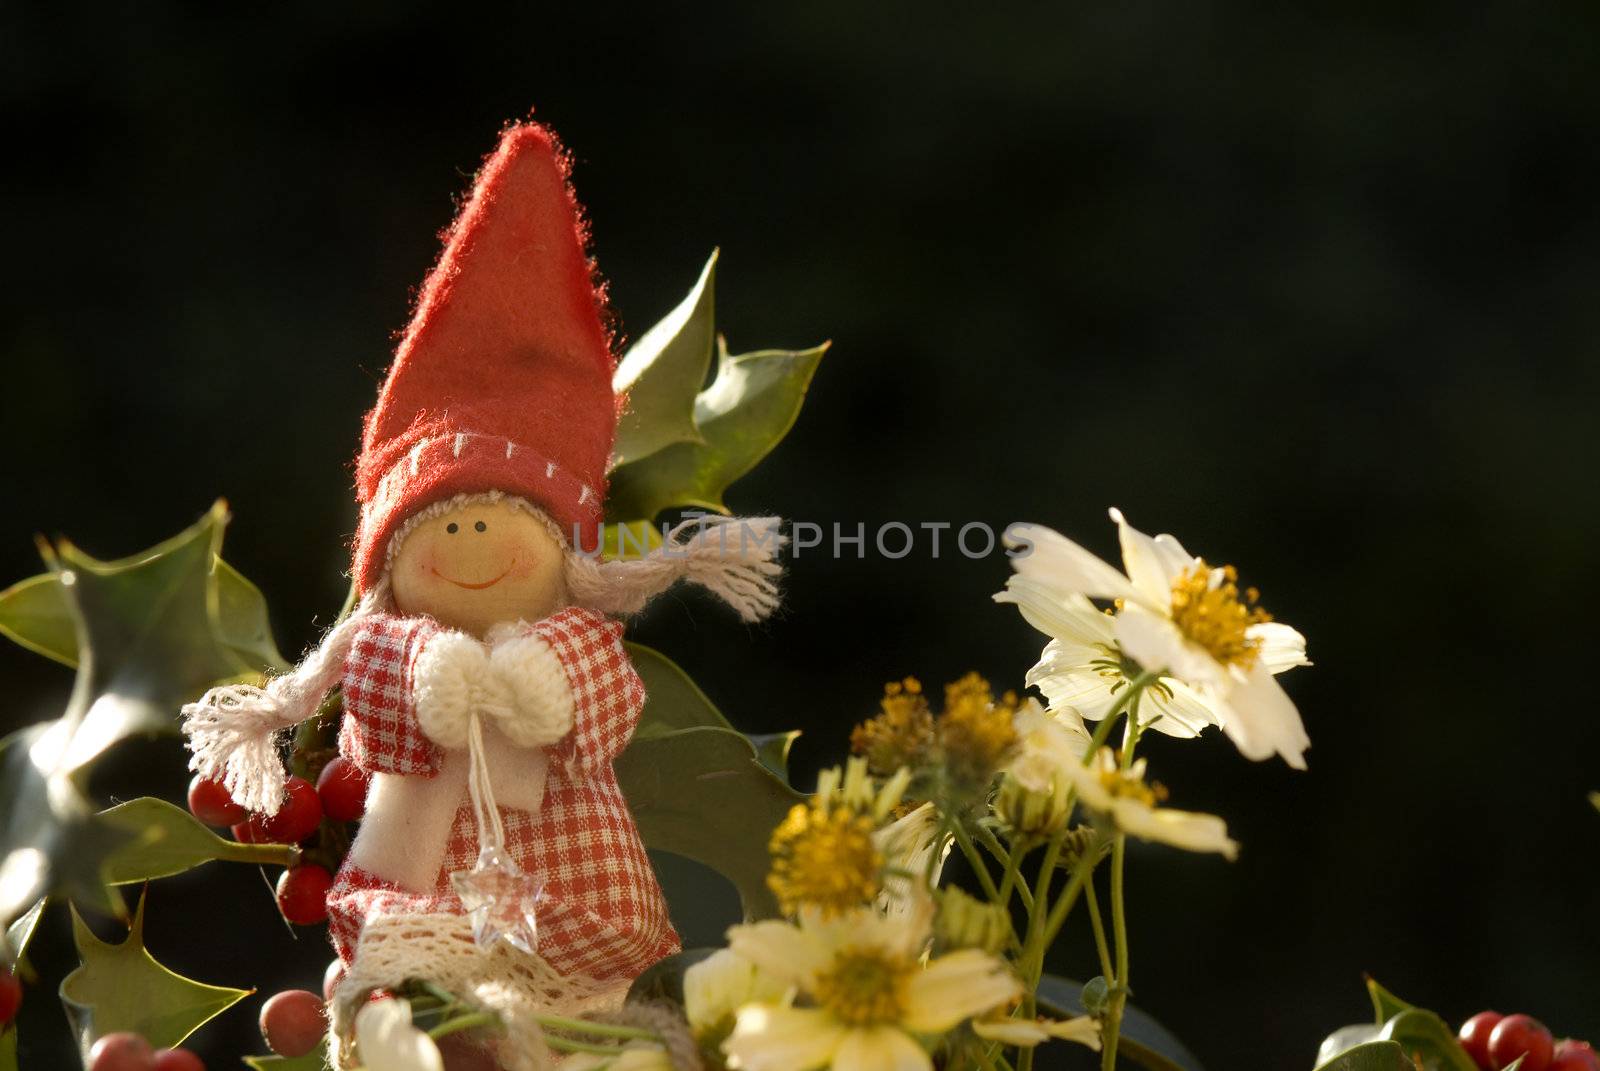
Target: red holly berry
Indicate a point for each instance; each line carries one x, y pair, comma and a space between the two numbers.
1574, 1055
1474, 1036
210, 802
331, 979
178, 1060
297, 818
1524, 1036
303, 894
245, 832
10, 997
343, 788
122, 1052
293, 1022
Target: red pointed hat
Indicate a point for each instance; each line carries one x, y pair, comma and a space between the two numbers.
502, 381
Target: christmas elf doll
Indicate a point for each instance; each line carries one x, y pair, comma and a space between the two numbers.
486, 687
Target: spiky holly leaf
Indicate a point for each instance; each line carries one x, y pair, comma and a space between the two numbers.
150, 623
699, 788
663, 371
681, 446
122, 987
36, 614
145, 637
18, 934
52, 840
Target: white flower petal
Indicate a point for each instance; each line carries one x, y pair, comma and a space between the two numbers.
957, 986
881, 1048
1155, 643
387, 1039
1188, 830
1261, 719
1065, 615
722, 983
1149, 564
1062, 564
1023, 1033
1181, 712
1281, 646
780, 949
771, 1037
1083, 1029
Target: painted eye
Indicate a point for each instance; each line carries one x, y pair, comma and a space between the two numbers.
480, 526
452, 528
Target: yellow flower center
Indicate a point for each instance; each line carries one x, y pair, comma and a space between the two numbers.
900, 734
1126, 785
1218, 616
824, 857
864, 987
976, 732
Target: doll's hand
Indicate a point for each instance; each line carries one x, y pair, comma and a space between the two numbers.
454, 680
541, 704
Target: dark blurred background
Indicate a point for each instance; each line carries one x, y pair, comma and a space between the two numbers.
1313, 289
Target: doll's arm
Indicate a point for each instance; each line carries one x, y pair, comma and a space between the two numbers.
381, 733
573, 686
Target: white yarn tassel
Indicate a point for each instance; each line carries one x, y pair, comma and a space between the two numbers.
233, 730
735, 558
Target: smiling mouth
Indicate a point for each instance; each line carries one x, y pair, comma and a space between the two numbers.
474, 587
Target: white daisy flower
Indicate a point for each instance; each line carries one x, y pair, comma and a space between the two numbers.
715, 988
1216, 650
1132, 805
869, 998
386, 1038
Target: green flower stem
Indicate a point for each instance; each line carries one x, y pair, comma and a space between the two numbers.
1030, 943
560, 1044
594, 1029
1092, 900
1081, 875
464, 1022
1129, 694
1119, 992
979, 867
283, 855
1010, 859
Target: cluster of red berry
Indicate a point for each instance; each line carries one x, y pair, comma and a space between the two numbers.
340, 795
1495, 1041
130, 1052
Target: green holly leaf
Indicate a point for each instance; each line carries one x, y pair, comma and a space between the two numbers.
663, 372
1385, 1005
166, 840
145, 638
52, 840
698, 787
315, 1060
1423, 1034
36, 613
774, 750
18, 934
665, 462
122, 987
703, 793
8, 1049
1372, 1056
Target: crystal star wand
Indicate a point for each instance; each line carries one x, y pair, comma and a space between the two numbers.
501, 898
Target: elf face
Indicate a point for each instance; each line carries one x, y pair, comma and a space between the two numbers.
479, 566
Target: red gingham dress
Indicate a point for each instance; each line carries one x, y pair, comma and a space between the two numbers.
603, 915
